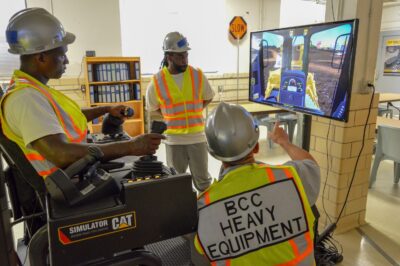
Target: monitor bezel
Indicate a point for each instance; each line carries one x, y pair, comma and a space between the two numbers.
354, 34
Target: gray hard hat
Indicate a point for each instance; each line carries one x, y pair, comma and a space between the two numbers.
34, 30
175, 42
231, 132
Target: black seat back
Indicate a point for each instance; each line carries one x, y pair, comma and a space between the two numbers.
26, 188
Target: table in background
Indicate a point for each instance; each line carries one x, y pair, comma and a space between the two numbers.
380, 120
255, 109
389, 97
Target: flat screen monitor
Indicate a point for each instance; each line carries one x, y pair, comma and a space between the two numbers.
307, 69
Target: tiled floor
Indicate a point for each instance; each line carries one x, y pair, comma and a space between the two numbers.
377, 242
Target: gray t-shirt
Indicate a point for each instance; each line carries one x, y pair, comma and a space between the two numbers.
30, 115
308, 171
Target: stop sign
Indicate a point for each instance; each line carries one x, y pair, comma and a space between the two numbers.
238, 27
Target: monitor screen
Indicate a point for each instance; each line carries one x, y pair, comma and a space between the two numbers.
307, 69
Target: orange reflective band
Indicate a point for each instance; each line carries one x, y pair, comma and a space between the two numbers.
173, 105
207, 198
182, 118
34, 157
288, 173
165, 86
80, 138
76, 128
228, 262
192, 79
213, 263
181, 112
294, 247
47, 172
200, 84
158, 90
303, 255
270, 175
186, 126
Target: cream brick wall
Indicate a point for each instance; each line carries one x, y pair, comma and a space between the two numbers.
70, 87
337, 153
228, 84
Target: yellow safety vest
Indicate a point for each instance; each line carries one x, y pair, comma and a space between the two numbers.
182, 109
69, 114
256, 215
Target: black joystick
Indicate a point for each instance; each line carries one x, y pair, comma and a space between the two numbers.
148, 165
112, 125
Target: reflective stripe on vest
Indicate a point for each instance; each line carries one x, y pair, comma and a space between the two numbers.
242, 233
181, 109
71, 119
72, 131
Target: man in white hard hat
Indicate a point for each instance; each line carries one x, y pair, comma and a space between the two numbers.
181, 92
49, 127
256, 214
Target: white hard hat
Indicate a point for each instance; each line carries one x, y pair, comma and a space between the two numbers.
231, 132
175, 42
34, 30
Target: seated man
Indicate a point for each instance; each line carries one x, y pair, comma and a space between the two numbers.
256, 214
49, 127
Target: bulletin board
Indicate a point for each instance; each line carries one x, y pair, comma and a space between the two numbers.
387, 77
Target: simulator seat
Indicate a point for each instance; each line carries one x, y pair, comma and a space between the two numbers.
109, 230
26, 188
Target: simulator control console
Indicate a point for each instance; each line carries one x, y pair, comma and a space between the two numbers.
109, 213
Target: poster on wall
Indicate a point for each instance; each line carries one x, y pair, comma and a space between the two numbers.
392, 58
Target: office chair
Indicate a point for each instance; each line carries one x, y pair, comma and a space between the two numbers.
386, 149
288, 120
385, 110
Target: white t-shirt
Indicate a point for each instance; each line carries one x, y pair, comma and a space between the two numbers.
30, 115
152, 104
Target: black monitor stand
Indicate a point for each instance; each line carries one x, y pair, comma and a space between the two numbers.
305, 144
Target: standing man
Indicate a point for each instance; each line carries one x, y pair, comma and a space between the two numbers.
256, 214
49, 127
180, 92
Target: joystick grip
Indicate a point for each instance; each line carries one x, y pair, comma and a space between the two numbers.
128, 112
158, 127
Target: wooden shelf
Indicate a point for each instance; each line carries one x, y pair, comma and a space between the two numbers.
110, 59
105, 79
115, 103
114, 82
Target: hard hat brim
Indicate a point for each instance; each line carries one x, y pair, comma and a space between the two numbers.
180, 50
69, 38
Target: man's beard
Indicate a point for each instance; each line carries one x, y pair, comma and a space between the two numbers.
180, 69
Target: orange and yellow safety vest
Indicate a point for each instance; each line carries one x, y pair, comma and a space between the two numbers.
256, 215
182, 109
69, 114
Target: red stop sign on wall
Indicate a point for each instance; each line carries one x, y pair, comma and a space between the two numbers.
238, 27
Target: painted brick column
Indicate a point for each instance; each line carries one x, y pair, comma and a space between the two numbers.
337, 150
337, 153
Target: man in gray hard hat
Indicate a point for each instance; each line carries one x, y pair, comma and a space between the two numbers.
256, 214
180, 92
49, 127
